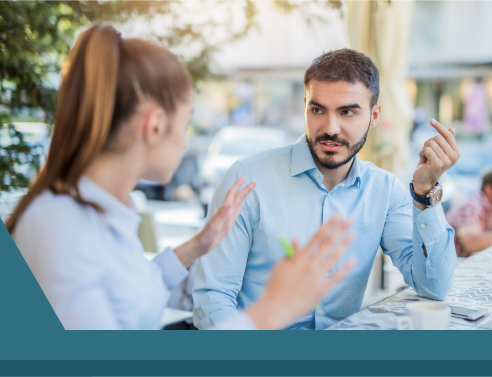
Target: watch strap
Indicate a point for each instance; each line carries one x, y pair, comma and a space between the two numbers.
425, 200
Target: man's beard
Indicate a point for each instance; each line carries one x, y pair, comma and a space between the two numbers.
329, 162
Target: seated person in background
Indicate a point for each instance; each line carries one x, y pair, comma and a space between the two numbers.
472, 220
299, 187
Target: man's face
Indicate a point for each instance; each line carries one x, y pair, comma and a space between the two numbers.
338, 116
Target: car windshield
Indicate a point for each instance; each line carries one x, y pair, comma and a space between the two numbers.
249, 146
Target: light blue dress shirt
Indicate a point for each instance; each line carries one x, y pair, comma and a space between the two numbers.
91, 267
291, 200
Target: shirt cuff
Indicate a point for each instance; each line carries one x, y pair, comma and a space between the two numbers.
428, 224
173, 271
239, 321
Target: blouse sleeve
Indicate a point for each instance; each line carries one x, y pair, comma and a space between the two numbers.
173, 271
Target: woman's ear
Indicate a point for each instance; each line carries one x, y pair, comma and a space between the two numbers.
155, 126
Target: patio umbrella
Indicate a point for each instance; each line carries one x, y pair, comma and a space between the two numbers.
381, 30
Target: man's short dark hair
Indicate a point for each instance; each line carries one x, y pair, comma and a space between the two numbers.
345, 65
487, 178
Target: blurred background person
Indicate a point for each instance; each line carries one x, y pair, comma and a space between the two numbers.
472, 220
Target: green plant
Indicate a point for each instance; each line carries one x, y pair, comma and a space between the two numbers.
35, 37
18, 159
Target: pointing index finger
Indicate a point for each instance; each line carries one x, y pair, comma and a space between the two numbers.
445, 133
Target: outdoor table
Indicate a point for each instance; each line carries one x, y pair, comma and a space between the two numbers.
472, 289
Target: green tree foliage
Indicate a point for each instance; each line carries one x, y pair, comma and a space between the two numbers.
18, 159
35, 37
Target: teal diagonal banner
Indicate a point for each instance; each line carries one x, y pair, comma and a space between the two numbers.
24, 309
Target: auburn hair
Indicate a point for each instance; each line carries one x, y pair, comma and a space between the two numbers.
104, 78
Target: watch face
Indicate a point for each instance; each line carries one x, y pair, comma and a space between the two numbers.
436, 196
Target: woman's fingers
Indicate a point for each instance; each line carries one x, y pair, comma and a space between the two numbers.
238, 203
229, 199
233, 199
335, 256
218, 218
332, 237
339, 275
319, 234
244, 193
295, 244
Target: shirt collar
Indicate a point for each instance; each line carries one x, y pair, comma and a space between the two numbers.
119, 216
303, 161
353, 177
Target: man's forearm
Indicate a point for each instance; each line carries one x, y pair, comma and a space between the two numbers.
434, 254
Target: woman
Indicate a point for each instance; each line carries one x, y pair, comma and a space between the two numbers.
122, 114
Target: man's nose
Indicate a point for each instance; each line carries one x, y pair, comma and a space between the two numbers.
332, 126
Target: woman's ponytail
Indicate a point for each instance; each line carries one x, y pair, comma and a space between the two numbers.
83, 115
103, 80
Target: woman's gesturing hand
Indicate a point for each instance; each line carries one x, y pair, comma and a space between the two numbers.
298, 283
217, 227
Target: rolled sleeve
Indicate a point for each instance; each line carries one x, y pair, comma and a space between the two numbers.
173, 271
429, 224
431, 271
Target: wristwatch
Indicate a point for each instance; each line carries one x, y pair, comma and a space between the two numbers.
432, 199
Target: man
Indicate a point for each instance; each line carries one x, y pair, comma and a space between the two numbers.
472, 220
303, 185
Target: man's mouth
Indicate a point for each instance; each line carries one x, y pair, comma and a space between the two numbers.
330, 146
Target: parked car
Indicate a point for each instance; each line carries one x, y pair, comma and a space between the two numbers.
231, 144
185, 177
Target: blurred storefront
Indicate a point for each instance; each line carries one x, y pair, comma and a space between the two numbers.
450, 79
259, 79
450, 73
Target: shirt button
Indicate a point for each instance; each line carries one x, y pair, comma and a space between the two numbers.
428, 262
317, 175
422, 226
413, 218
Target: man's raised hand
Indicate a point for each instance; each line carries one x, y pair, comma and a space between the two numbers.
438, 155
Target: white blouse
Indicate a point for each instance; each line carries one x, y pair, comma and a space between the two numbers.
92, 268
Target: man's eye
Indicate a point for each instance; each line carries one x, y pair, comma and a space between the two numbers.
348, 112
316, 110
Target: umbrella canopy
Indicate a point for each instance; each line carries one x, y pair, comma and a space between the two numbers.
381, 30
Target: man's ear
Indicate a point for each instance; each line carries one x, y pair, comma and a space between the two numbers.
375, 115
155, 126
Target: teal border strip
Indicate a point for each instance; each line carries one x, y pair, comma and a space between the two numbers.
247, 345
247, 368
